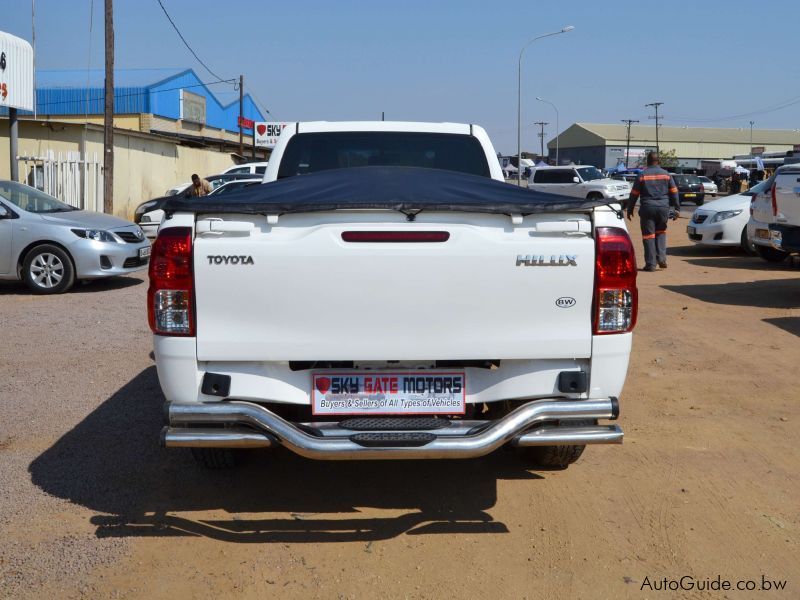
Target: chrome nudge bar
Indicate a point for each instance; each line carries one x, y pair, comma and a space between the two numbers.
250, 425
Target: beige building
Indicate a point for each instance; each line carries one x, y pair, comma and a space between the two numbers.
604, 144
145, 164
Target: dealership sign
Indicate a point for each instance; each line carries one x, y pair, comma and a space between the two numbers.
267, 133
193, 107
16, 72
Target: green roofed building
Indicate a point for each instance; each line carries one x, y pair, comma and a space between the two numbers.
603, 144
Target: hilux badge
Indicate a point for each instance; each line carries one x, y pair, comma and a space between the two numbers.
540, 260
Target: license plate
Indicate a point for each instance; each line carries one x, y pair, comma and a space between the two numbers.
144, 252
689, 195
762, 234
389, 393
691, 230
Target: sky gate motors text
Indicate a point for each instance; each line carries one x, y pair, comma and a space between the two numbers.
393, 384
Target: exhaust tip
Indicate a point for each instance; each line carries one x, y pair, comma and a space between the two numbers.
614, 407
162, 437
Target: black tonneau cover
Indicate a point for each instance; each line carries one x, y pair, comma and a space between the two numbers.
405, 189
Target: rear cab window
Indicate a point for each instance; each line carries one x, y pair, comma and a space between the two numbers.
314, 152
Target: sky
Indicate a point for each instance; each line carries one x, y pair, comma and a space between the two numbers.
712, 64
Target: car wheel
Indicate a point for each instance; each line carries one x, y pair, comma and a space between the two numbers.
594, 196
48, 269
748, 246
771, 254
699, 202
555, 457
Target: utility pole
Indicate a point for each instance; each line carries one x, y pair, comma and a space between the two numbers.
241, 114
656, 117
751, 136
628, 122
108, 113
541, 138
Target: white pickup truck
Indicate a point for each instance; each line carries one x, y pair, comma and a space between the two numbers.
774, 225
386, 296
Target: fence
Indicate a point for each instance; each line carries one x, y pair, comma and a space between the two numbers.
70, 177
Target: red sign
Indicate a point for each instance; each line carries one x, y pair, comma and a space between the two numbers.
246, 123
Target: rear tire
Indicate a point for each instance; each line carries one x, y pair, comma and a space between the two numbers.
772, 255
748, 246
215, 458
699, 201
555, 457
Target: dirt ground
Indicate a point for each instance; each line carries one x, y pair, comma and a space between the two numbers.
705, 484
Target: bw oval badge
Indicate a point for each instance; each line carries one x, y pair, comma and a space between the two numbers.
565, 302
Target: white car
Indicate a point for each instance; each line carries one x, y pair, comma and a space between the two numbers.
722, 222
774, 226
580, 181
253, 168
414, 307
709, 187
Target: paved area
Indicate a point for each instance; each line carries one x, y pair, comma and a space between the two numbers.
706, 483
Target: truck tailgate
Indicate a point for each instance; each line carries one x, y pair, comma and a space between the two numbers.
492, 290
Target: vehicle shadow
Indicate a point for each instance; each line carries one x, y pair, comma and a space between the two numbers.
111, 463
742, 261
17, 288
705, 251
770, 293
788, 324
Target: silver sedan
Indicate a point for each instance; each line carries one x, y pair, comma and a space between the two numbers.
49, 245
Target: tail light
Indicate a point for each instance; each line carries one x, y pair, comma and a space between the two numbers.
774, 202
616, 300
170, 297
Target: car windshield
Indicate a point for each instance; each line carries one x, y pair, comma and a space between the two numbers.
30, 199
590, 173
693, 179
314, 152
231, 187
705, 179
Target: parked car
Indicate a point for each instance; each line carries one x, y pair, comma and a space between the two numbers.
252, 168
579, 182
233, 186
723, 222
690, 188
629, 177
249, 356
709, 187
149, 214
49, 244
774, 226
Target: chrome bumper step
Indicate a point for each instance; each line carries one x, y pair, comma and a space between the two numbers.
250, 425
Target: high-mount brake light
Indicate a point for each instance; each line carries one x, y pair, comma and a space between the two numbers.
395, 237
616, 299
170, 297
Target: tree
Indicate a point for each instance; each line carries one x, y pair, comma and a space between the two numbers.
669, 159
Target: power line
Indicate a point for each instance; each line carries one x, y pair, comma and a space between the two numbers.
767, 109
185, 43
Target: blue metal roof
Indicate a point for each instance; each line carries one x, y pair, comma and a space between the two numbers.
156, 91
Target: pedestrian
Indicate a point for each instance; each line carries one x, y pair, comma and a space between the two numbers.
656, 190
200, 187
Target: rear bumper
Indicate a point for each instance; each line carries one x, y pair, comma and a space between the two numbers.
249, 425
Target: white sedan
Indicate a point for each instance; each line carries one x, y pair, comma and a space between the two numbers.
722, 222
709, 187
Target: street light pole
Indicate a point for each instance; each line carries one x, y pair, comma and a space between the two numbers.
519, 97
558, 131
751, 136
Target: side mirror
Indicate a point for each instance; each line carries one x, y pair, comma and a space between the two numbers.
576, 179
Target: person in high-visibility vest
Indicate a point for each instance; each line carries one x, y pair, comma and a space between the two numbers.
657, 192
